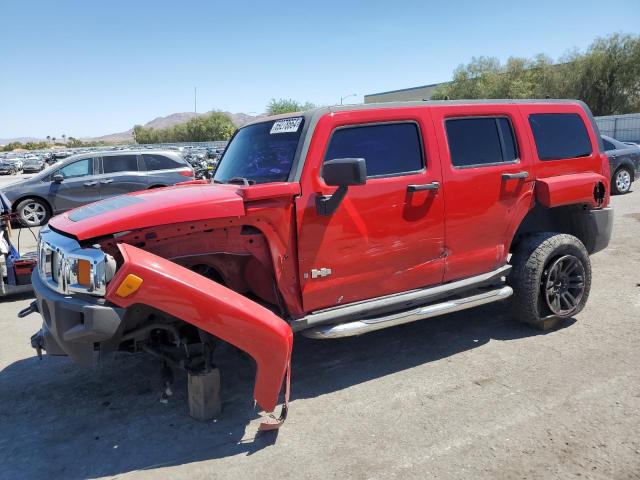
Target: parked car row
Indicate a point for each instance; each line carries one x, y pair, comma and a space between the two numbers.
89, 177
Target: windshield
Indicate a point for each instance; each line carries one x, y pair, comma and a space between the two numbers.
261, 153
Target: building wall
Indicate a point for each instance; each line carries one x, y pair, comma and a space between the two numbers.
404, 95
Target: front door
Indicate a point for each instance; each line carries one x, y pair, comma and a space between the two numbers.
386, 236
79, 186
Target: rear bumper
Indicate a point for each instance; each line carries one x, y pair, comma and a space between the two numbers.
599, 224
73, 325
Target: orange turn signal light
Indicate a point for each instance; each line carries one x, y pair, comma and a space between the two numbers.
129, 285
83, 272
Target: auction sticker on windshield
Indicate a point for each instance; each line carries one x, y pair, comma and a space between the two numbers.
286, 125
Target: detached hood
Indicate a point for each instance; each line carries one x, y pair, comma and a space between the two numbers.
187, 202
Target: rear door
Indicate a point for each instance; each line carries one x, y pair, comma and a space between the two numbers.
488, 183
386, 236
121, 174
79, 187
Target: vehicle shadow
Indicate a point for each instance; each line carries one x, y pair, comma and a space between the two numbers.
59, 420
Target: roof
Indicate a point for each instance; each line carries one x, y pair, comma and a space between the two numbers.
316, 112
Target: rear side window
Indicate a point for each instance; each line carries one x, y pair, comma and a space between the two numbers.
159, 162
480, 141
120, 163
560, 135
388, 149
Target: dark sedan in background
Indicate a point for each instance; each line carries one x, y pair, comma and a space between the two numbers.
90, 177
33, 165
624, 160
7, 168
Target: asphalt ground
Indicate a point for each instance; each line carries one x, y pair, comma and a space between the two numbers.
467, 395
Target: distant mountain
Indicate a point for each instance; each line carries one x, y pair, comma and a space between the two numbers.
4, 141
238, 119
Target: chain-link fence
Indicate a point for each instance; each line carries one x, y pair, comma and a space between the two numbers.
215, 144
625, 128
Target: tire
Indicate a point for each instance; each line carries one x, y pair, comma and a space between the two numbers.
33, 212
551, 279
621, 181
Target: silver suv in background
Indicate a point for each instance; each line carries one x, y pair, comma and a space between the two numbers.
89, 177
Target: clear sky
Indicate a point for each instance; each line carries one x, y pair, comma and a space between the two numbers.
86, 68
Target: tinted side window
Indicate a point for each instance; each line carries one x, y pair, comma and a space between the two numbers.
608, 145
159, 162
80, 168
560, 135
480, 141
388, 149
120, 163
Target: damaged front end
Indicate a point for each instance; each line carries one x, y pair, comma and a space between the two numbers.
147, 279
135, 300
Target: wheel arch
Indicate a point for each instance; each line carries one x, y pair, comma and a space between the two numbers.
628, 164
27, 196
571, 219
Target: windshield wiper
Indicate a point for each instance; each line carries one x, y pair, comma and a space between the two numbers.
244, 181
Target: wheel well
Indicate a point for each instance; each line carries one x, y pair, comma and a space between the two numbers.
630, 169
156, 186
34, 197
209, 272
567, 219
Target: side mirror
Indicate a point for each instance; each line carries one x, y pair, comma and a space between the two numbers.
341, 173
344, 172
57, 178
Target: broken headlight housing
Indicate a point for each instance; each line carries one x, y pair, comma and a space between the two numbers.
66, 267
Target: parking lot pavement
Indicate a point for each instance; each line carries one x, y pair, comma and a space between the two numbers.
469, 395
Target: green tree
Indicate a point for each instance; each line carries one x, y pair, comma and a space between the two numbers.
284, 105
606, 77
212, 126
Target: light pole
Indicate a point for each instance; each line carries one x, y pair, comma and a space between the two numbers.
347, 96
195, 101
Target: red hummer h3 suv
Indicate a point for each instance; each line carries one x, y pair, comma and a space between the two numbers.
335, 222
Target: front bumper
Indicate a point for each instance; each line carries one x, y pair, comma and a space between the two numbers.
74, 325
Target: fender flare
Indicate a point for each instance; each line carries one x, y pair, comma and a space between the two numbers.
214, 308
576, 188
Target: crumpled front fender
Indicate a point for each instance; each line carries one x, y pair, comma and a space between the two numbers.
214, 308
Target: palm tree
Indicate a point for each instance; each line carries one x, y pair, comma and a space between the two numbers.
48, 138
63, 137
54, 140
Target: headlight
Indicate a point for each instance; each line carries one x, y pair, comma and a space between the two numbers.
66, 267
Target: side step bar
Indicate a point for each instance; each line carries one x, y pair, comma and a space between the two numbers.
369, 325
399, 301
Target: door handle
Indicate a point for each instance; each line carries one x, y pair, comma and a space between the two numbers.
513, 176
426, 186
108, 180
90, 184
